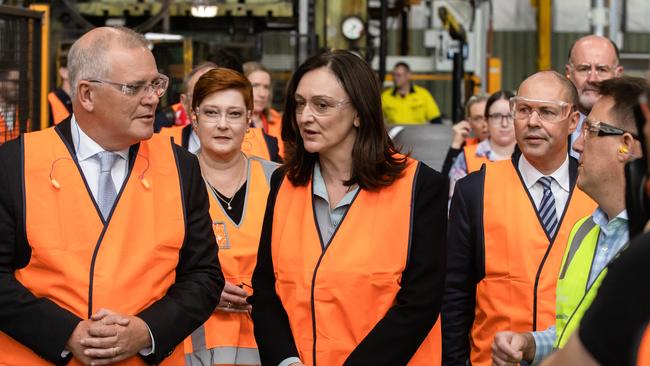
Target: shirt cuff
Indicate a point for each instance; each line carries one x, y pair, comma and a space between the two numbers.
149, 350
289, 361
544, 341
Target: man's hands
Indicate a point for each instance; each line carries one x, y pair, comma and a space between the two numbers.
233, 299
461, 131
108, 337
510, 348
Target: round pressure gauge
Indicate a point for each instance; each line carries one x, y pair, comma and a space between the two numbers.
352, 28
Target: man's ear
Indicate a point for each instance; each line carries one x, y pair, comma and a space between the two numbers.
86, 95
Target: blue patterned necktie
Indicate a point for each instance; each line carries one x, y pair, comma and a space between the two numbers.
106, 193
547, 207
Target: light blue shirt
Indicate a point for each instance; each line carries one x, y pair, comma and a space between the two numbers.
613, 236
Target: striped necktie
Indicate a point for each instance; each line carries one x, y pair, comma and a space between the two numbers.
547, 207
106, 193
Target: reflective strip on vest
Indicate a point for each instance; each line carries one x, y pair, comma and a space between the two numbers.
521, 263
83, 264
364, 261
472, 161
59, 110
223, 356
238, 243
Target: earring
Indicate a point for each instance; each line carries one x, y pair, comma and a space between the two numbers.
623, 149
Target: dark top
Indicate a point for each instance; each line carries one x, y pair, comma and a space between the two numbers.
237, 203
187, 304
466, 261
64, 98
397, 336
452, 154
612, 326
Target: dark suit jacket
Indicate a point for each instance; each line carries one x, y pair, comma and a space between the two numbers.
45, 327
466, 262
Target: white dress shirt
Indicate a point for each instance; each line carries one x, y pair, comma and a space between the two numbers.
559, 186
86, 149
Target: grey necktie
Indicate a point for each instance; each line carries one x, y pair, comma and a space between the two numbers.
106, 193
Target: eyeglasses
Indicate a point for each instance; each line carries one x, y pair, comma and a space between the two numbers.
584, 70
158, 87
498, 118
214, 115
551, 111
596, 128
477, 119
319, 106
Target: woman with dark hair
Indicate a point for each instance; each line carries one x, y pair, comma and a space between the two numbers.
238, 187
499, 145
352, 256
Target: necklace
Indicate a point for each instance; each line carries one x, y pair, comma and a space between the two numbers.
228, 202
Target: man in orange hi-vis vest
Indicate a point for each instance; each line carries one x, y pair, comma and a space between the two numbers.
508, 227
107, 253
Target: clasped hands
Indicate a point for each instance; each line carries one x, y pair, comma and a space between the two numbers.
233, 299
108, 337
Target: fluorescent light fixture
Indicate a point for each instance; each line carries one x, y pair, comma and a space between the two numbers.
163, 37
203, 9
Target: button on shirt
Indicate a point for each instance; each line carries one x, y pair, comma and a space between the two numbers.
614, 235
559, 186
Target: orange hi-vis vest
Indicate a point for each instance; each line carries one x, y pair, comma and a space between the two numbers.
472, 141
643, 351
59, 110
174, 131
472, 161
335, 295
521, 263
227, 338
254, 143
84, 264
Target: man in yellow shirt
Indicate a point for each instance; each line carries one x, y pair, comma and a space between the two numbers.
407, 103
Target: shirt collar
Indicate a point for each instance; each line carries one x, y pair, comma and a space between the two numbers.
601, 219
320, 190
531, 175
411, 90
85, 147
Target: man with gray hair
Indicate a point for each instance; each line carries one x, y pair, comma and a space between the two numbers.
107, 252
591, 59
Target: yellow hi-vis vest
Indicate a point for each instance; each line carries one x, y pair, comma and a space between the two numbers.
574, 296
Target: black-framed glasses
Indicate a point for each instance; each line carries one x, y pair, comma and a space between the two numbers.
157, 87
597, 128
498, 118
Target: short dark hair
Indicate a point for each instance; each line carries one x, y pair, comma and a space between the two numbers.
376, 162
501, 94
227, 59
625, 92
402, 64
